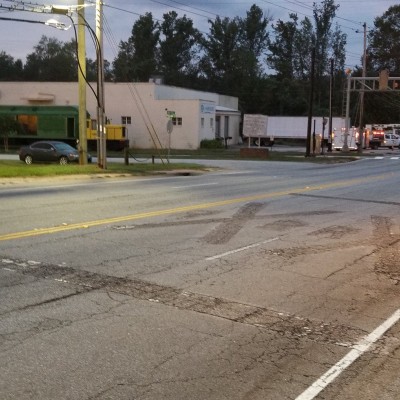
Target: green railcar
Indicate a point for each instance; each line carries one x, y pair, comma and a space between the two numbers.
42, 123
57, 123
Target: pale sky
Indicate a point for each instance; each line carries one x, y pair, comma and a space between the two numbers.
18, 38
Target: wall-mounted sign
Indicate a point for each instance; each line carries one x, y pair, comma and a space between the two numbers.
207, 108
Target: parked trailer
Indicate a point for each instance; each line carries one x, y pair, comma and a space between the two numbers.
339, 138
262, 128
57, 123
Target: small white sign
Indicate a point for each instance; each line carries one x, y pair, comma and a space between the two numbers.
207, 108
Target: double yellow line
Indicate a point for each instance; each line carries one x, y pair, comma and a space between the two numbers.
214, 204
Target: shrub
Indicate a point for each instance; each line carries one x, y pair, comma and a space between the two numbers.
211, 144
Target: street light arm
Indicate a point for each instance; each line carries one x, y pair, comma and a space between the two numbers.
57, 24
51, 22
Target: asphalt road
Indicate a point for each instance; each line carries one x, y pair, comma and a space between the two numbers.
259, 280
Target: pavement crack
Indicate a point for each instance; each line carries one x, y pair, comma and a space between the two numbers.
286, 325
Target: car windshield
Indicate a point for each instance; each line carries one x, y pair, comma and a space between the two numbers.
63, 147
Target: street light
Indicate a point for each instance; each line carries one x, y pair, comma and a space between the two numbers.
98, 43
51, 22
81, 56
56, 24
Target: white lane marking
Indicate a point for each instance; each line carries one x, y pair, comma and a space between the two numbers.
240, 249
199, 184
394, 158
234, 173
358, 349
379, 158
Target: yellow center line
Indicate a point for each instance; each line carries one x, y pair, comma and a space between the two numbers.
150, 214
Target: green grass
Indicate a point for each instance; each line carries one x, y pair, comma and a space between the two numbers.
141, 163
234, 154
17, 169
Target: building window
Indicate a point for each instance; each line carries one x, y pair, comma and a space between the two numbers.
126, 120
202, 122
211, 123
177, 121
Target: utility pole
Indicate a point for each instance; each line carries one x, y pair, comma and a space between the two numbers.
345, 147
364, 73
330, 144
100, 87
82, 147
310, 105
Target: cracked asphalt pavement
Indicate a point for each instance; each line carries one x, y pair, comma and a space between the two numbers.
249, 283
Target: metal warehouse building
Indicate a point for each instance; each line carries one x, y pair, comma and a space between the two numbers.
143, 108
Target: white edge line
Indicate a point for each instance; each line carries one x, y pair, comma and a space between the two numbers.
240, 249
358, 349
200, 184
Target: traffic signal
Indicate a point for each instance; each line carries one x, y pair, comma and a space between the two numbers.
383, 79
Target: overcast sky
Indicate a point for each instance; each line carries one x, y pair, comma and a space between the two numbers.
19, 38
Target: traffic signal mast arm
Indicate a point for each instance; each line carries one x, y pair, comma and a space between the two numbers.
375, 84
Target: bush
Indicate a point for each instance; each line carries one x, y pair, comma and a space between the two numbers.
211, 144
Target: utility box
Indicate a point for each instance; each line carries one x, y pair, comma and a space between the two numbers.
317, 144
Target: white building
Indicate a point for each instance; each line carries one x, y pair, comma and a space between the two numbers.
144, 108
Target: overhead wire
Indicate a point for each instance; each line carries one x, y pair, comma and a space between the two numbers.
135, 94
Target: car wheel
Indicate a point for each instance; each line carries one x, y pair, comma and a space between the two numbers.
28, 159
63, 160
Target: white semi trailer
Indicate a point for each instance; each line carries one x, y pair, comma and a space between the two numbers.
262, 129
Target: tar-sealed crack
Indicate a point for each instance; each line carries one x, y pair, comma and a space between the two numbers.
387, 248
286, 325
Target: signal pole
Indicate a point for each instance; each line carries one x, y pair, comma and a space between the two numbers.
100, 87
364, 74
310, 105
82, 147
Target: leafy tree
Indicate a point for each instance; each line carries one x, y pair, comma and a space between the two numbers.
123, 64
233, 54
384, 42
91, 71
292, 47
10, 70
179, 48
338, 43
52, 60
254, 32
323, 17
283, 51
250, 72
137, 57
304, 42
221, 50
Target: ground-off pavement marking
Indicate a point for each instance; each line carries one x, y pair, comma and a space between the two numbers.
201, 206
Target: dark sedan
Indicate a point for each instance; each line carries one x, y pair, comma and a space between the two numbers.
49, 151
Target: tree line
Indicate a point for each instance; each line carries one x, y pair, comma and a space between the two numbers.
265, 63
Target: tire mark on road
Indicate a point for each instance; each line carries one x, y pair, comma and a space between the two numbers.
228, 229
